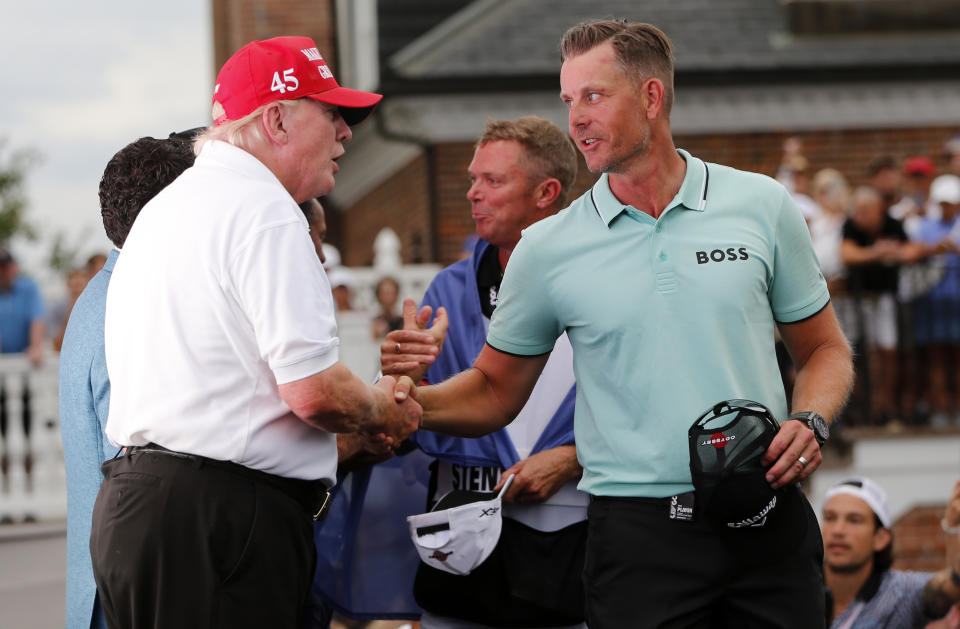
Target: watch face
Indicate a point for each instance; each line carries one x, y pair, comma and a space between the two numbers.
819, 427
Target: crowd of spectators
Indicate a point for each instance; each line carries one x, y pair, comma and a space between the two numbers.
890, 252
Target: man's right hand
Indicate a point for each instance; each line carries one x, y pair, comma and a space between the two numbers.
413, 349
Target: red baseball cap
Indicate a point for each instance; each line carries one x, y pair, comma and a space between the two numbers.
283, 68
919, 165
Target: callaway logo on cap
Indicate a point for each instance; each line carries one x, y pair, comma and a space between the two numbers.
283, 68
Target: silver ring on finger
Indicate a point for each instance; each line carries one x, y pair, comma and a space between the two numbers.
802, 461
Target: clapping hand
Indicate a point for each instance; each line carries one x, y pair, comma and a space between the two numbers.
413, 349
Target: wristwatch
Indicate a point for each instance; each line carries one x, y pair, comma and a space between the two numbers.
816, 423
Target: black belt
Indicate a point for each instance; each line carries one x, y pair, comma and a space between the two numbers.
313, 495
633, 499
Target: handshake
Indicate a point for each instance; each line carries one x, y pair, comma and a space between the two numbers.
405, 357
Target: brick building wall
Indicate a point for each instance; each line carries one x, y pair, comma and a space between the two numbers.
918, 542
401, 203
238, 22
454, 224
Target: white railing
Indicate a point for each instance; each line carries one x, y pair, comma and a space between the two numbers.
32, 477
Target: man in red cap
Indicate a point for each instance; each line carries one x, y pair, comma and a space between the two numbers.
222, 352
918, 172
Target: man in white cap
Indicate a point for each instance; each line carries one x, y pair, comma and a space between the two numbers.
862, 590
221, 346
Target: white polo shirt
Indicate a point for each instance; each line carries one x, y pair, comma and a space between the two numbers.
217, 298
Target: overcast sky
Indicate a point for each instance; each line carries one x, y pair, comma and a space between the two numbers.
79, 81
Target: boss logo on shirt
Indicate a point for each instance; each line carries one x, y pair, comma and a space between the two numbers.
730, 254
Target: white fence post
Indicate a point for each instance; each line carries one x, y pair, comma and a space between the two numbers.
34, 483
386, 252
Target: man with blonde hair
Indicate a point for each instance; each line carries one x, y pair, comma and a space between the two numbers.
522, 171
222, 352
670, 278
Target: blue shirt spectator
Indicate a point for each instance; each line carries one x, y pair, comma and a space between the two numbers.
933, 231
21, 311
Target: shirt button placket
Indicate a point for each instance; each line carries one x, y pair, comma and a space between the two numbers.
661, 254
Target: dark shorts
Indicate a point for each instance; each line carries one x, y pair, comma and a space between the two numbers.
531, 579
644, 570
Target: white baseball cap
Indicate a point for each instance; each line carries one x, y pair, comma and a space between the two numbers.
945, 189
866, 490
461, 530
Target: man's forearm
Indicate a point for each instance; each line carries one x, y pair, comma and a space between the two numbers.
336, 400
942, 591
38, 331
484, 398
824, 363
463, 406
824, 382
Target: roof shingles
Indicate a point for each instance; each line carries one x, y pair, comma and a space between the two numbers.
521, 37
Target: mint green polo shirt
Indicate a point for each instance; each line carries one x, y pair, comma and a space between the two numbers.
666, 317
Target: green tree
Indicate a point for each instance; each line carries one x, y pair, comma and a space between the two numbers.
14, 165
65, 252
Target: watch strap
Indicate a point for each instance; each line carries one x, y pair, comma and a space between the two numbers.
807, 418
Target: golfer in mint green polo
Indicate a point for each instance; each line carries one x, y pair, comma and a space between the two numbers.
671, 278
666, 317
